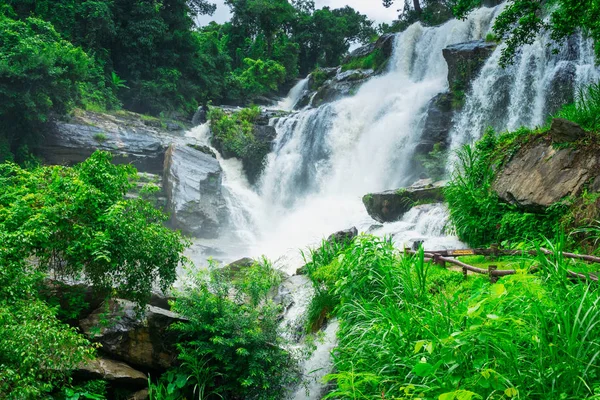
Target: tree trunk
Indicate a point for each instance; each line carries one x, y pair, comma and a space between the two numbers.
417, 6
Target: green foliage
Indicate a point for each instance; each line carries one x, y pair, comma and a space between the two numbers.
478, 215
373, 61
259, 77
319, 77
232, 134
434, 162
90, 390
231, 345
77, 223
409, 330
39, 72
586, 110
428, 12
522, 20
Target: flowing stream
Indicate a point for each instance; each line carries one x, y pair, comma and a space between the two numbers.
325, 159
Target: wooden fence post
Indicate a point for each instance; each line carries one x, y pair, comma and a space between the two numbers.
465, 273
491, 269
437, 259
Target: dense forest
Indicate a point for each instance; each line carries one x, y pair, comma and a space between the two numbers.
407, 328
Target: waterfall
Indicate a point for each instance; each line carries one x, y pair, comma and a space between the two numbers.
325, 159
527, 92
294, 96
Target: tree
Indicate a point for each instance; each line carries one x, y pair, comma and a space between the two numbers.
77, 223
39, 73
325, 35
416, 5
522, 21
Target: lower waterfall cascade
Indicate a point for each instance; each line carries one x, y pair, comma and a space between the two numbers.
325, 159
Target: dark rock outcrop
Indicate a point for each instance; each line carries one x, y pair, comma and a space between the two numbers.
143, 341
437, 124
465, 60
115, 372
539, 175
563, 131
192, 182
391, 205
343, 236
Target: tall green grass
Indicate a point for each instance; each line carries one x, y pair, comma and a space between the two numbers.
586, 109
409, 330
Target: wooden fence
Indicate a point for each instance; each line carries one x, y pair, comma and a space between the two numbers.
442, 257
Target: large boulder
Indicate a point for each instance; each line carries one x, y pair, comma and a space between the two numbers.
343, 236
132, 138
192, 182
540, 175
465, 61
115, 372
391, 205
143, 340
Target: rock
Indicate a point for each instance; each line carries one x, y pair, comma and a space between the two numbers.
233, 269
437, 124
140, 395
328, 73
200, 115
360, 52
343, 236
254, 161
115, 372
127, 135
539, 175
465, 60
563, 131
144, 341
203, 149
391, 205
491, 3
385, 43
192, 182
561, 90
79, 299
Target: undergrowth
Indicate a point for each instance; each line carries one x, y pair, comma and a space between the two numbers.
374, 61
478, 215
411, 330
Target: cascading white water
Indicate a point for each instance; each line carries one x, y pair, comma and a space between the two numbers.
326, 159
294, 96
528, 91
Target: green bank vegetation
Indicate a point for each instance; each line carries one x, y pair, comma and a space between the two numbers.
412, 330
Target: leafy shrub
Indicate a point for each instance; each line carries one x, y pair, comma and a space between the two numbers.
78, 224
231, 345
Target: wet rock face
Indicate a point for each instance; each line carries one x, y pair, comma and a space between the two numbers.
465, 60
131, 138
192, 183
437, 124
143, 341
391, 205
540, 175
